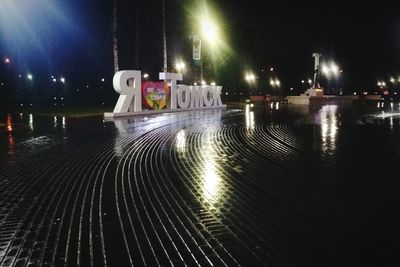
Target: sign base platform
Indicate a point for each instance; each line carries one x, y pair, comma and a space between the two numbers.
152, 112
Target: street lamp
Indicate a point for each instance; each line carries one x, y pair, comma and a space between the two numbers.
250, 79
209, 32
275, 83
7, 60
207, 29
180, 66
330, 70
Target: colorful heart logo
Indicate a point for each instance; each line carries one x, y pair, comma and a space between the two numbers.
155, 94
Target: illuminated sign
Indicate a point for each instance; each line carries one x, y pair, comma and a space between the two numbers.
155, 95
166, 95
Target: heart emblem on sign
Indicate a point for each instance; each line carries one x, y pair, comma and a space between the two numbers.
155, 94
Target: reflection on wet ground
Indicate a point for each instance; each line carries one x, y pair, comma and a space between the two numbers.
250, 186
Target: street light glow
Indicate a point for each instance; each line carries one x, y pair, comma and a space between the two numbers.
7, 60
250, 77
180, 66
331, 69
275, 82
62, 79
209, 29
334, 68
29, 76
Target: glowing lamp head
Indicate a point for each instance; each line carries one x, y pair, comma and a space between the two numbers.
209, 29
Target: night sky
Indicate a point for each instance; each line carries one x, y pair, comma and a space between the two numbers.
73, 38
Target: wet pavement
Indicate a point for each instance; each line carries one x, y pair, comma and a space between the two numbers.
246, 186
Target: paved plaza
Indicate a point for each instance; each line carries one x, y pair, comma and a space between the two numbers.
243, 186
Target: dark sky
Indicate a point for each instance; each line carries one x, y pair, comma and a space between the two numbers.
74, 37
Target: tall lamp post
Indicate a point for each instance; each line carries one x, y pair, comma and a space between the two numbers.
209, 33
330, 70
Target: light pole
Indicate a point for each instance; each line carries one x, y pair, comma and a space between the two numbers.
250, 78
330, 70
209, 33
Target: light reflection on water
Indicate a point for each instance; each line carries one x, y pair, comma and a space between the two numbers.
181, 141
205, 159
212, 187
10, 139
328, 120
31, 122
249, 118
9, 123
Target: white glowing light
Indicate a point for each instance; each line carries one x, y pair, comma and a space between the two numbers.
180, 66
209, 29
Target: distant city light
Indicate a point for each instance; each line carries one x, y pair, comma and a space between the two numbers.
29, 77
7, 60
62, 79
54, 80
145, 75
102, 79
